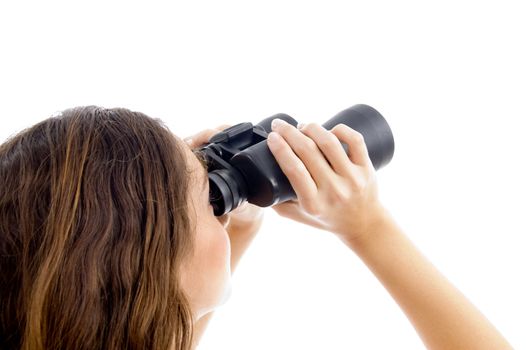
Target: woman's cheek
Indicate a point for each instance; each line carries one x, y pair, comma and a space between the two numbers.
223, 245
218, 247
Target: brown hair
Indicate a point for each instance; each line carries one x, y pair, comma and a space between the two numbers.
94, 226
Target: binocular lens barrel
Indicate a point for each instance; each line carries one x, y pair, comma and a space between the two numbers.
242, 168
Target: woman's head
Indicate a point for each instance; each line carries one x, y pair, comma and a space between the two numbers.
106, 239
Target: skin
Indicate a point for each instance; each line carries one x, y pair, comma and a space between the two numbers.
341, 196
206, 276
220, 242
338, 193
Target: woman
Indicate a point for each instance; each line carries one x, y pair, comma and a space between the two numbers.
108, 240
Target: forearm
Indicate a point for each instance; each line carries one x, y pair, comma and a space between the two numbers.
241, 235
443, 317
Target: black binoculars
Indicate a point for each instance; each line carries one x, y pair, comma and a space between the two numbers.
242, 168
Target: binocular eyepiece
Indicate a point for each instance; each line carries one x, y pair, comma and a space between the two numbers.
241, 167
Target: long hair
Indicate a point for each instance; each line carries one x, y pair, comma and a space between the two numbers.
94, 226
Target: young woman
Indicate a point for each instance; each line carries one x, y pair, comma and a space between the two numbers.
108, 240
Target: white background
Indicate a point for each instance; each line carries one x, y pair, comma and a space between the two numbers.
448, 76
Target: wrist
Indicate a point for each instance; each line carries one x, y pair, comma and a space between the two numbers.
377, 225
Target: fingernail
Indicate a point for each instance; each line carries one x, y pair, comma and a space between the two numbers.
188, 140
273, 138
300, 126
276, 122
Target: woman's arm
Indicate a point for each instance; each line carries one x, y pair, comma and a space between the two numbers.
338, 192
443, 317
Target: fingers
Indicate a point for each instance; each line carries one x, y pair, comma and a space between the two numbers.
223, 127
357, 148
294, 169
331, 147
306, 150
203, 136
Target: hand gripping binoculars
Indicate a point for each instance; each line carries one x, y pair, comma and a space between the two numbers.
241, 167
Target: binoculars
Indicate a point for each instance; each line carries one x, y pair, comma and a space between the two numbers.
242, 168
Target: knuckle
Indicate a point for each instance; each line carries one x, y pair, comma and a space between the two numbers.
328, 140
311, 207
309, 127
296, 169
358, 137
341, 194
355, 135
340, 128
358, 184
311, 144
325, 143
307, 147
